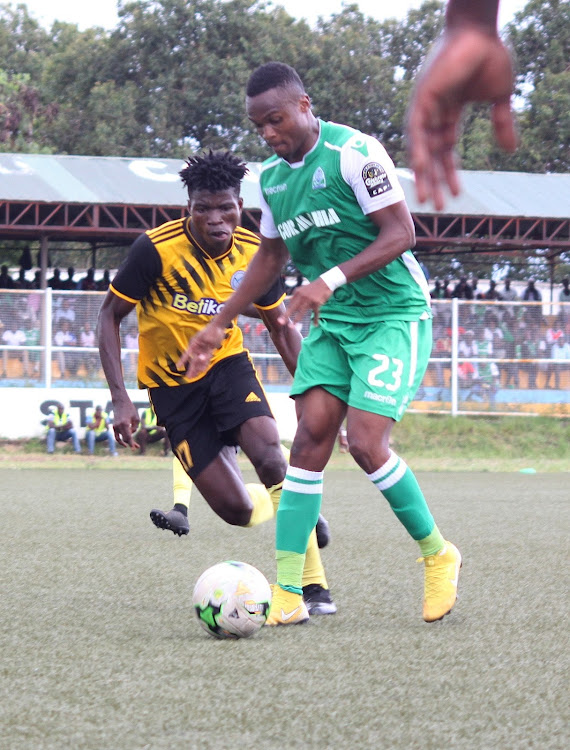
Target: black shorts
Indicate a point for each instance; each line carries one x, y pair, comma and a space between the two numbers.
202, 417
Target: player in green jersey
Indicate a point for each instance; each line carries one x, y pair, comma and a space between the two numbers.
331, 199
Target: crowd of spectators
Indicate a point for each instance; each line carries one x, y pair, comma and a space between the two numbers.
506, 334
512, 338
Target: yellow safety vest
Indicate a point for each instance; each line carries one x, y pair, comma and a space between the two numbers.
150, 419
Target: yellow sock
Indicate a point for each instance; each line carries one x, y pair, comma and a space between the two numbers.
262, 504
314, 572
181, 484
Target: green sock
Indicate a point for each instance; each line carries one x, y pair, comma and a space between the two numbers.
297, 515
400, 487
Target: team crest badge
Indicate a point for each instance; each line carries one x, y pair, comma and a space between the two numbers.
319, 179
236, 279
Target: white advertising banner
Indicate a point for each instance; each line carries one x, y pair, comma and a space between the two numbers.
23, 409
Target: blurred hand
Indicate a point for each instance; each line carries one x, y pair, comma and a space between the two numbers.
125, 423
467, 65
199, 353
308, 297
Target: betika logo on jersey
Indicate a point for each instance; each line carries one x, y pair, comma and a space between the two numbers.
322, 218
203, 306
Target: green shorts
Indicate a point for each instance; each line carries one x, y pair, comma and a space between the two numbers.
376, 367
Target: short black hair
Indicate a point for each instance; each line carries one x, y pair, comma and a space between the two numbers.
272, 75
213, 171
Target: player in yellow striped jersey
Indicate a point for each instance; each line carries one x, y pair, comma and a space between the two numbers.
178, 276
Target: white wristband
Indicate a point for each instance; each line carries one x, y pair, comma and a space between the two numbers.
333, 278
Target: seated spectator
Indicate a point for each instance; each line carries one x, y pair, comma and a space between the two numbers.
441, 349
99, 429
561, 352
14, 337
64, 336
467, 371
495, 335
150, 432
60, 429
131, 357
526, 344
66, 311
87, 339
31, 359
554, 331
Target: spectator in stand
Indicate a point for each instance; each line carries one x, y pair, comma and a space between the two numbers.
462, 289
438, 292
6, 281
509, 311
31, 359
494, 334
64, 336
104, 281
531, 294
441, 349
150, 432
555, 330
560, 351
132, 342
98, 430
69, 283
66, 311
526, 347
14, 337
37, 281
87, 283
21, 310
467, 371
55, 282
21, 282
60, 429
509, 294
564, 296
33, 303
88, 339
492, 292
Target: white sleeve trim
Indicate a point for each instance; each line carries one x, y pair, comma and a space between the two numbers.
266, 225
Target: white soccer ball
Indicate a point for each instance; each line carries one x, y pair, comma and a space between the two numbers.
231, 600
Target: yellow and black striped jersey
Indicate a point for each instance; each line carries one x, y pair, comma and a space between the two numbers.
177, 288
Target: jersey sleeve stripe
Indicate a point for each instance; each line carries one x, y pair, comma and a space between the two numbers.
122, 296
270, 307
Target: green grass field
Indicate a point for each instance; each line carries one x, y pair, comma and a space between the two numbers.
101, 650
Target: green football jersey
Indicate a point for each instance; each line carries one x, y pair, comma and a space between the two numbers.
319, 208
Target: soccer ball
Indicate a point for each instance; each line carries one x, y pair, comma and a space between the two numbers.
231, 600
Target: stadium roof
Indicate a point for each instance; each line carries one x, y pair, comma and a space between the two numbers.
126, 181
108, 199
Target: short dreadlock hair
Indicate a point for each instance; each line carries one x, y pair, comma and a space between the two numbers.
273, 75
213, 171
